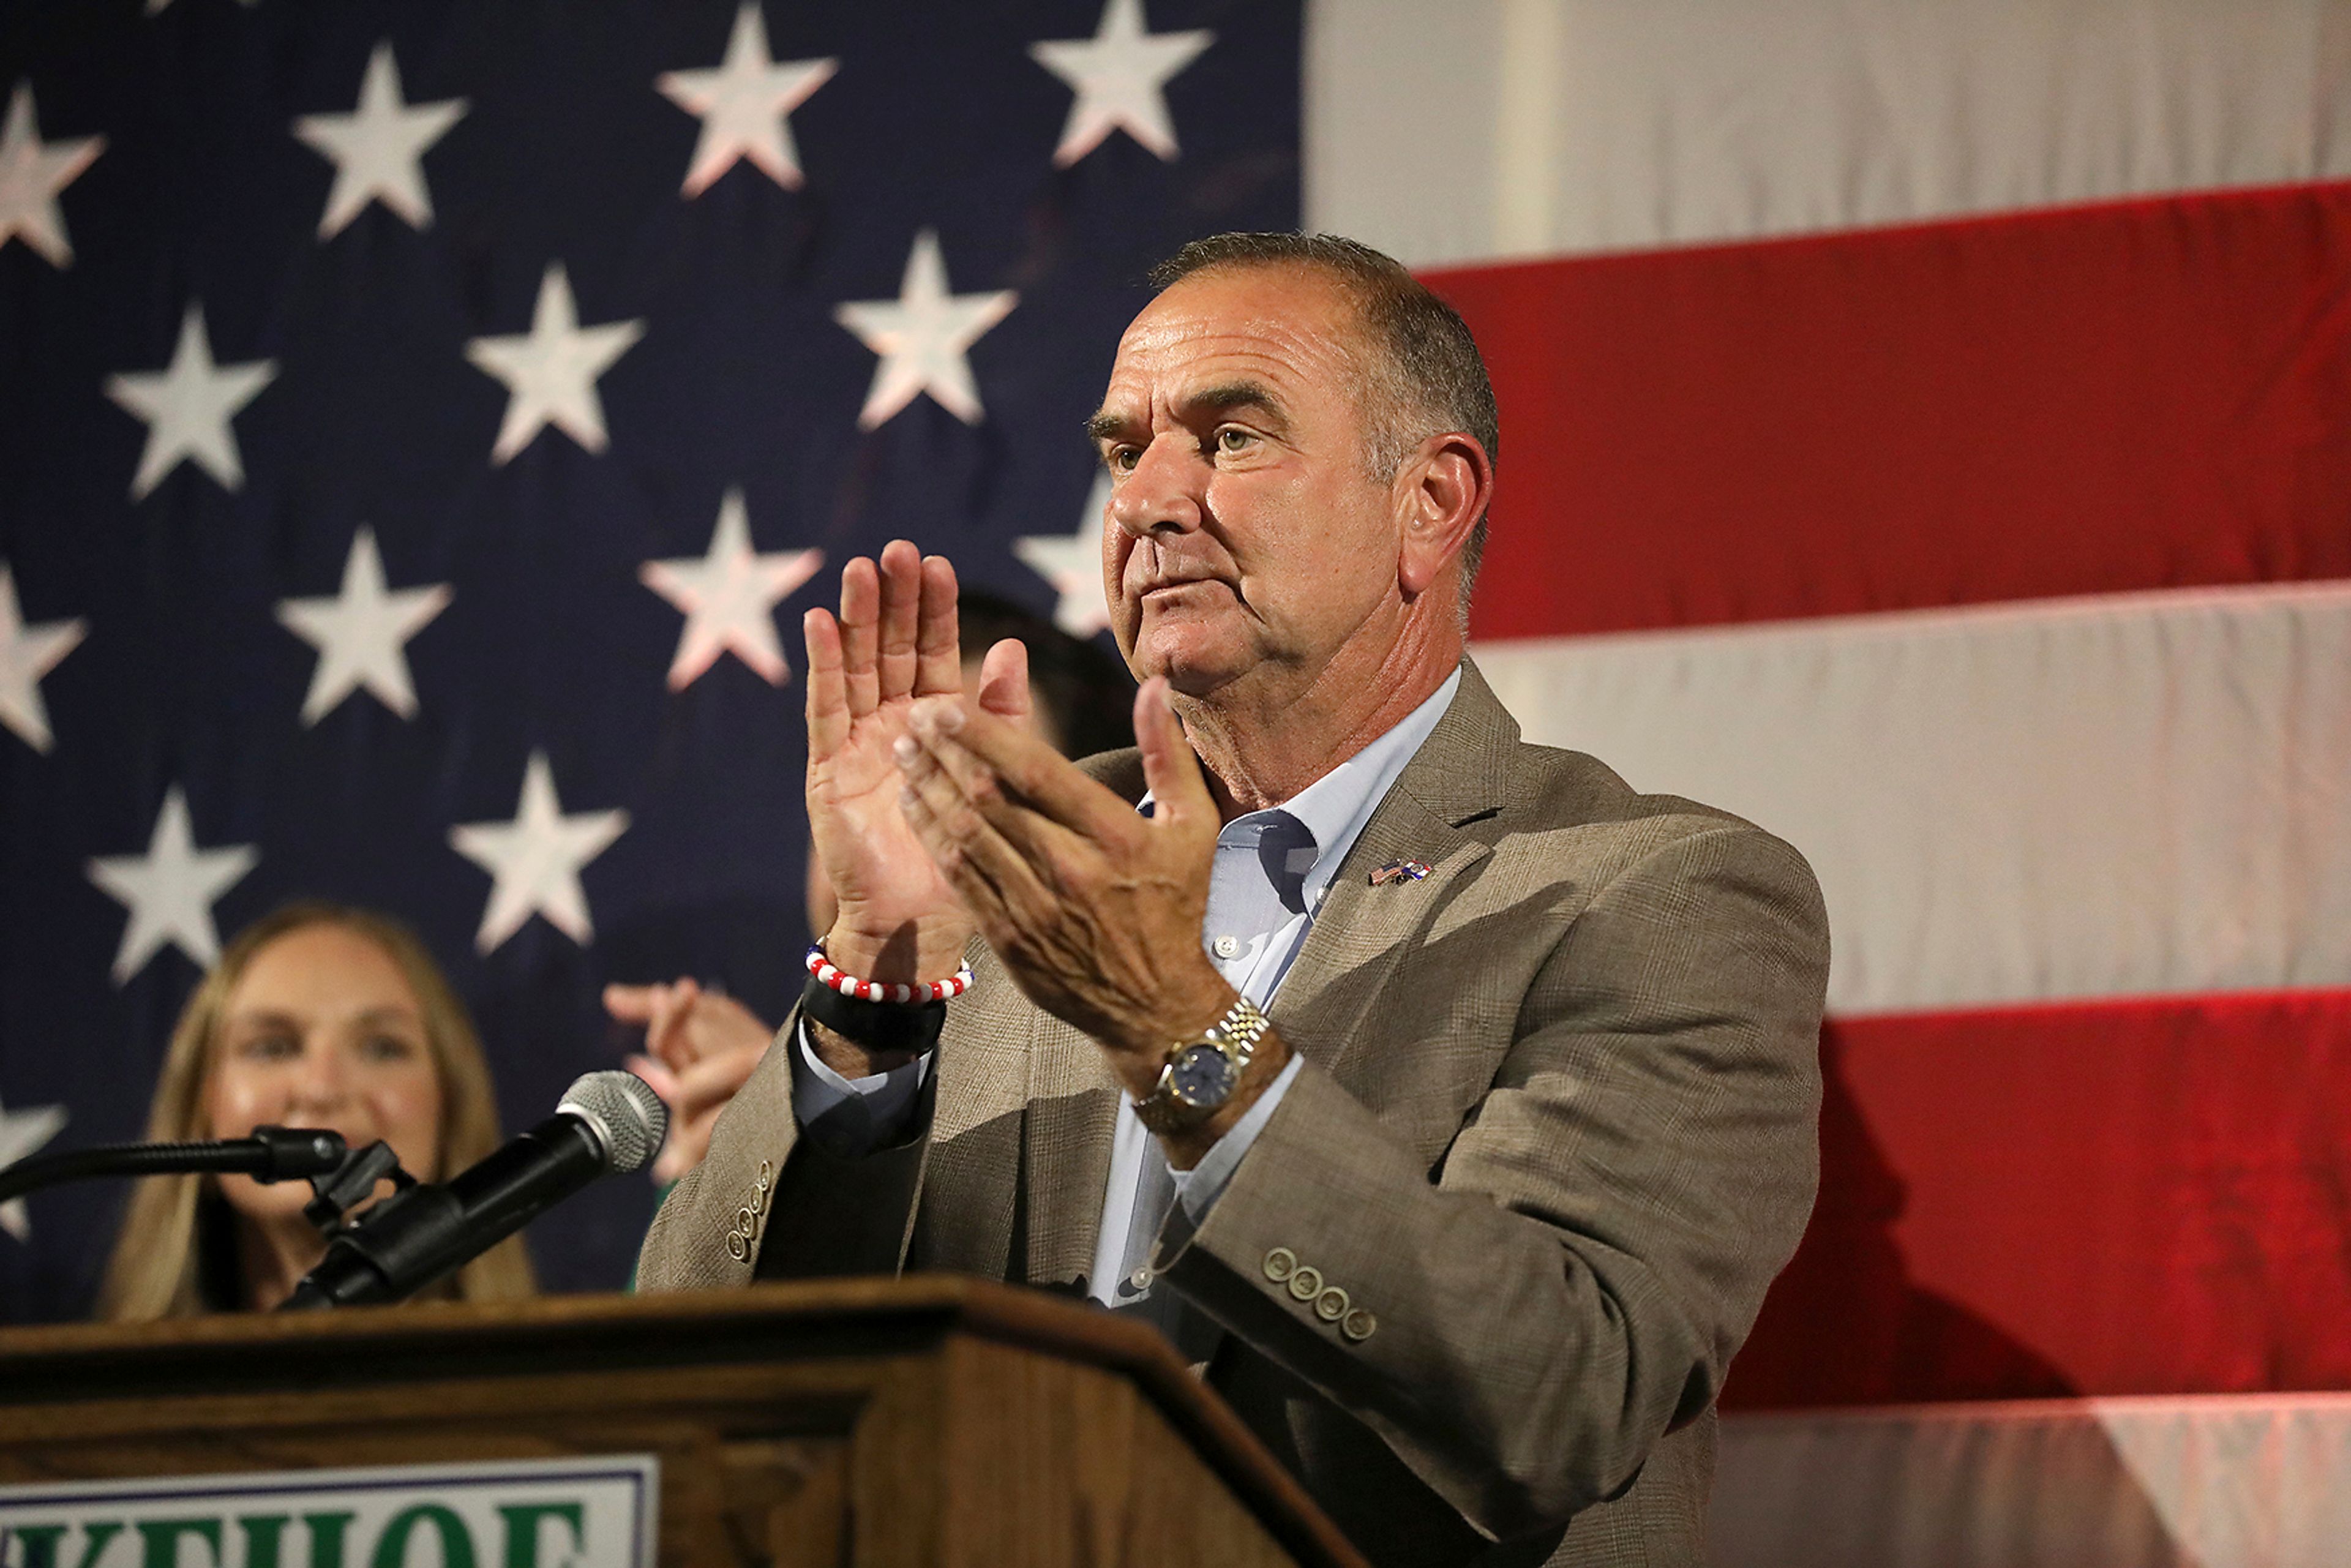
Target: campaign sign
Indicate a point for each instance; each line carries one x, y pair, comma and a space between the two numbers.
594, 1511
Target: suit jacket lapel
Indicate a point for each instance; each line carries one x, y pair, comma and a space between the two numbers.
1071, 1118
1361, 932
1066, 1138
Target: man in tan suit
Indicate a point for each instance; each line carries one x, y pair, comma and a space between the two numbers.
1469, 1230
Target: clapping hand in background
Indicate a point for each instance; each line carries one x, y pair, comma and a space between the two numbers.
700, 1046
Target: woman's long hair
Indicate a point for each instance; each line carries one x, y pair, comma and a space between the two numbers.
177, 1254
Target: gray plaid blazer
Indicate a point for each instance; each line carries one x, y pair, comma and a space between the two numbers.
1483, 1272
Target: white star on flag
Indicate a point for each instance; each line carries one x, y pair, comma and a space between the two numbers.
375, 148
922, 336
551, 370
171, 890
32, 172
1120, 75
728, 597
362, 633
188, 408
743, 105
21, 1133
535, 860
27, 653
1072, 563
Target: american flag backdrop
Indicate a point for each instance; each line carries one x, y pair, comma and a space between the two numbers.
1927, 431
421, 425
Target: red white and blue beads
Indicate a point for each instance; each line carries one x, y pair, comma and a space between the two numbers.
920, 994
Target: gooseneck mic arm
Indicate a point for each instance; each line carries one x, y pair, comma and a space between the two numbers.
271, 1154
608, 1122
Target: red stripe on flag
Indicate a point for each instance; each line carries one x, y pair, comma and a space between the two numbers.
2147, 394
2146, 1196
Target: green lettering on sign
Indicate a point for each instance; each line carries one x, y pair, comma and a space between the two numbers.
41, 1542
327, 1538
261, 1533
456, 1541
163, 1539
522, 1531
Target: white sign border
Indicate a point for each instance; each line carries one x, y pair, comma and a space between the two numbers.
643, 1471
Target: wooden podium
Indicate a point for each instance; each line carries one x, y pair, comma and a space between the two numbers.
927, 1420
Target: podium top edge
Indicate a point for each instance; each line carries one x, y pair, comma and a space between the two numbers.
918, 1296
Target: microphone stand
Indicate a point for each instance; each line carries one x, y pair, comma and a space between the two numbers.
270, 1154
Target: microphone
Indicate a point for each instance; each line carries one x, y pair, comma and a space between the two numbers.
608, 1122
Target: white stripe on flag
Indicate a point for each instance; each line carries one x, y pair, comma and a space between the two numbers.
1446, 132
2218, 1482
2127, 795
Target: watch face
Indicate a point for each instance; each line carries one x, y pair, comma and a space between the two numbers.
1202, 1075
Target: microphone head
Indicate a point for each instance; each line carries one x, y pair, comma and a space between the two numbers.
627, 1117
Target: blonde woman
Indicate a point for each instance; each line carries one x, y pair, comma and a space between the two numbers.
316, 1016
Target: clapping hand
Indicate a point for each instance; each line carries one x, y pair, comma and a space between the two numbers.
893, 643
1095, 909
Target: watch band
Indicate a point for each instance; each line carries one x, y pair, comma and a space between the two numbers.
1167, 1108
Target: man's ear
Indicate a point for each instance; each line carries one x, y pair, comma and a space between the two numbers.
1443, 489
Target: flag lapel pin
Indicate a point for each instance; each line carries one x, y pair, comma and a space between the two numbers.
1398, 871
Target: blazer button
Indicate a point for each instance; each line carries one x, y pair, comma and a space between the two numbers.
1358, 1325
1280, 1264
1306, 1282
1331, 1305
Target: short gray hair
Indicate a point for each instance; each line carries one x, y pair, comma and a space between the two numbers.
1425, 372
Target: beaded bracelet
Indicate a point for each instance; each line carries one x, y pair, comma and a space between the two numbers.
832, 979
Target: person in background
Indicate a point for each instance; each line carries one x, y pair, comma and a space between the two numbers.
700, 1043
316, 1016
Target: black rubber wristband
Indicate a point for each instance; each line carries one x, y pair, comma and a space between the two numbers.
876, 1026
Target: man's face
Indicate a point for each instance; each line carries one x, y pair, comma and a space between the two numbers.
1243, 530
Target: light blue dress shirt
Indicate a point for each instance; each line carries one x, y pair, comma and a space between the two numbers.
1271, 872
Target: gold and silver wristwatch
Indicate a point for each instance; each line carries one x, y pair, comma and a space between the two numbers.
1200, 1075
